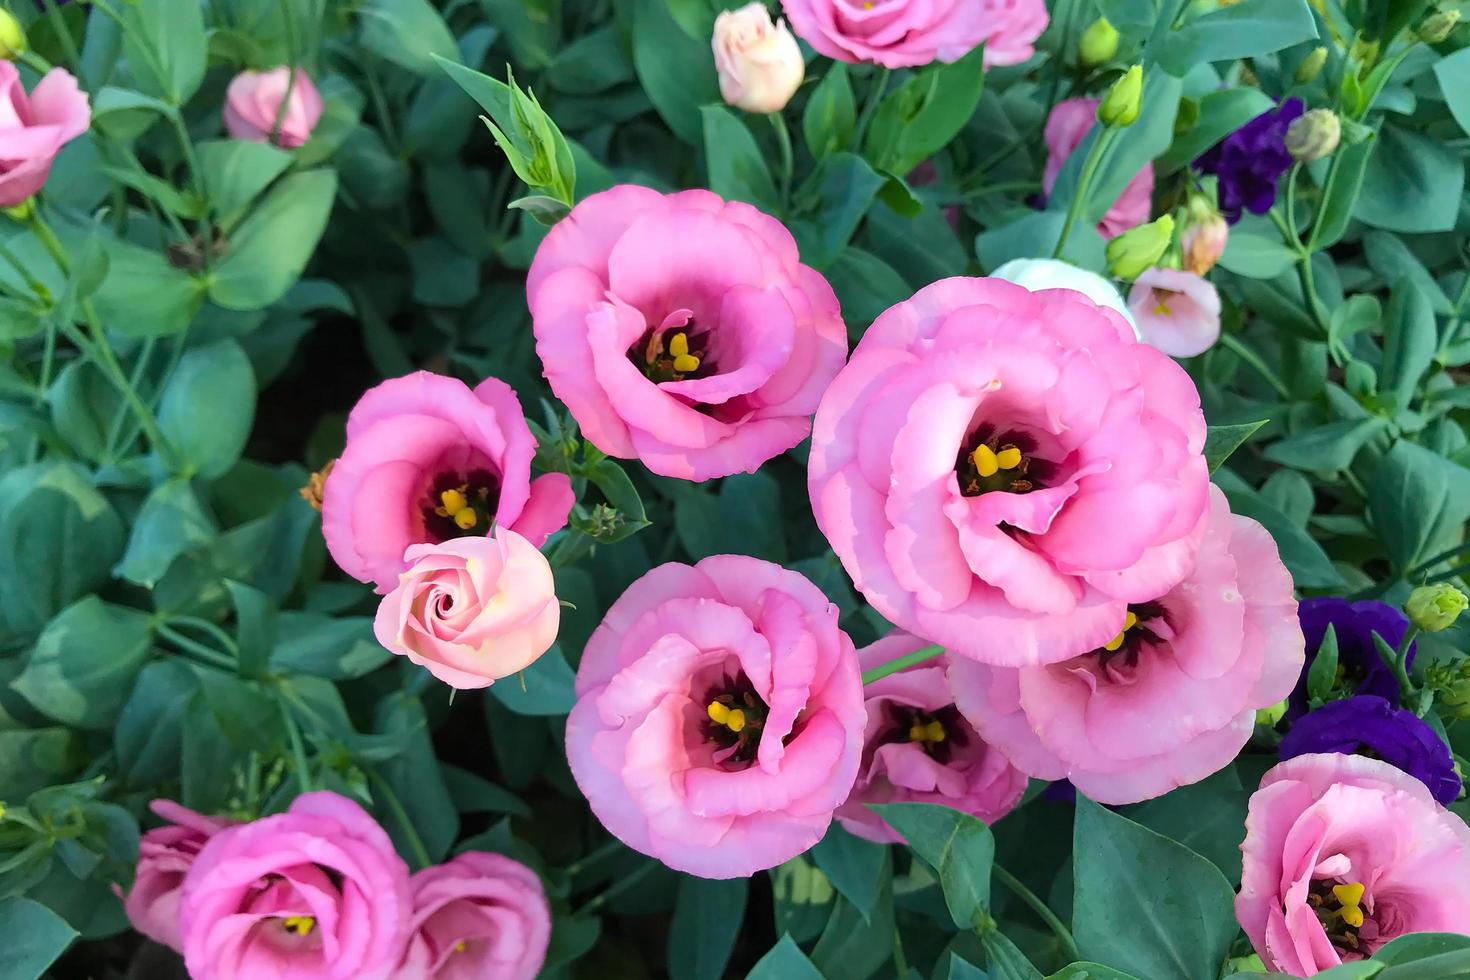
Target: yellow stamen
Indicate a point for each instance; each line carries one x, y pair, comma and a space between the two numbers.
1116, 643
459, 946
985, 461
466, 519
932, 732
736, 721
454, 501
686, 363
1008, 458
1130, 621
678, 345
299, 924
718, 713
1163, 310
1349, 896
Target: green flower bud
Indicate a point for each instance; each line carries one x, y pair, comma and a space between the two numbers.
1099, 43
1136, 251
1121, 105
1311, 66
1434, 608
1452, 690
1438, 25
1270, 716
12, 36
1314, 136
1361, 380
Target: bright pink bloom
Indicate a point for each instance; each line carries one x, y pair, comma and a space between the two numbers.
1003, 471
472, 610
719, 716
1177, 312
34, 128
412, 440
253, 104
315, 892
918, 748
477, 916
1066, 127
1336, 839
910, 33
1171, 703
165, 855
683, 330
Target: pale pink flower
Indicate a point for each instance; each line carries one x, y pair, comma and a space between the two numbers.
1177, 312
253, 105
34, 128
910, 33
759, 63
1066, 127
477, 916
165, 855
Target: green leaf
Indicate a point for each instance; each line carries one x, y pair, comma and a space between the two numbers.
144, 295
1413, 183
1326, 448
737, 522
236, 171
207, 407
1309, 565
171, 522
1175, 920
831, 113
544, 688
414, 777
962, 969
1221, 441
269, 250
124, 114
846, 186
1220, 114
1004, 960
1247, 29
1090, 971
408, 33
1345, 176
1453, 74
83, 665
255, 628
1417, 501
803, 898
1322, 675
677, 70
336, 648
865, 286
737, 168
850, 946
613, 483
1409, 343
785, 961
149, 734
857, 868
35, 937
707, 918
1257, 256
957, 846
1208, 817
920, 118
165, 46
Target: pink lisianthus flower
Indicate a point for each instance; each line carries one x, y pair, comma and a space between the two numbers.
911, 33
1003, 471
1343, 853
1066, 127
317, 891
918, 748
477, 916
1177, 312
165, 855
34, 128
683, 330
253, 104
427, 461
719, 716
1173, 697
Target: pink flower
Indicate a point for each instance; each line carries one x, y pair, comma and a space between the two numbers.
719, 716
1177, 312
759, 63
1002, 471
918, 748
1343, 853
472, 610
1169, 700
1066, 127
683, 330
253, 105
165, 855
34, 128
477, 916
429, 461
910, 33
315, 892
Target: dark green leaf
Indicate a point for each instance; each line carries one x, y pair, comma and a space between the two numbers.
409, 33
336, 648
83, 664
707, 918
1325, 448
34, 937
1413, 183
737, 167
149, 735
1409, 343
1417, 501
855, 948
677, 69
857, 868
921, 117
846, 188
270, 248
1003, 960
1246, 29
544, 688
1221, 441
785, 961
171, 522
1340, 194
208, 405
1453, 74
236, 171
414, 779
1322, 675
957, 846
165, 46
831, 113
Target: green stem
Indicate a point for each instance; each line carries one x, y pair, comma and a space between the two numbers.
1063, 934
900, 962
224, 639
1233, 344
870, 108
1455, 572
623, 884
298, 748
58, 27
902, 663
1429, 563
1399, 661
783, 141
36, 62
606, 850
1452, 326
1084, 184
416, 843
206, 654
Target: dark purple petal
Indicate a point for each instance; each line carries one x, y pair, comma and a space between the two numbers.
1250, 161
1357, 656
1372, 726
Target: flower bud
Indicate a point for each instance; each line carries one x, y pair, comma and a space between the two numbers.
1204, 236
1121, 105
1139, 249
1434, 608
1270, 716
1438, 25
1245, 964
1314, 136
1452, 690
12, 36
758, 61
1311, 66
1099, 43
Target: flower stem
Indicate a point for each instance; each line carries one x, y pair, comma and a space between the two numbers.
902, 663
415, 842
783, 141
1232, 344
870, 108
194, 648
1084, 184
298, 749
1063, 934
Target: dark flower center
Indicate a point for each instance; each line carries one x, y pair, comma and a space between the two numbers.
1338, 906
457, 505
675, 354
1122, 650
1001, 459
735, 716
938, 733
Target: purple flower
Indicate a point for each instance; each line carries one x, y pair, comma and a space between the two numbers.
1357, 657
1250, 161
1367, 725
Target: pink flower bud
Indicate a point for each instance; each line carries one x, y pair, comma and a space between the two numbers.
253, 107
759, 62
1204, 238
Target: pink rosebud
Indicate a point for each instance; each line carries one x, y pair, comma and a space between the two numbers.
472, 610
918, 748
253, 107
317, 891
1066, 128
1342, 854
477, 915
910, 33
34, 128
1002, 471
427, 461
165, 855
758, 61
1177, 312
1172, 697
1205, 235
683, 330
719, 716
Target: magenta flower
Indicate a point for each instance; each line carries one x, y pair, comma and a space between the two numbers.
477, 916
1003, 472
34, 128
1066, 128
911, 33
317, 891
918, 748
165, 855
1169, 700
719, 716
427, 461
683, 330
1343, 854
253, 105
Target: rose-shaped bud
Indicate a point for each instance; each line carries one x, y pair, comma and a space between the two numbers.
1314, 136
12, 36
1066, 127
1205, 235
165, 855
1437, 26
317, 891
254, 107
1039, 274
1178, 312
1120, 107
1311, 66
1140, 249
758, 61
911, 33
472, 610
719, 717
477, 915
35, 128
1434, 608
1099, 43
